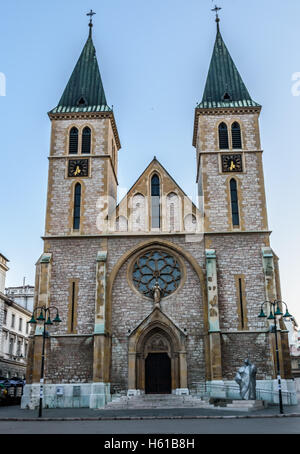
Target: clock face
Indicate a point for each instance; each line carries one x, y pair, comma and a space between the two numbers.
78, 168
232, 163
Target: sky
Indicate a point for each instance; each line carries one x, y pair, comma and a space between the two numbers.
153, 57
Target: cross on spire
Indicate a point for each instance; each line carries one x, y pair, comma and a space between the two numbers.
216, 9
91, 14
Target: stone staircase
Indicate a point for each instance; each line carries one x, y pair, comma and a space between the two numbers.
152, 401
167, 401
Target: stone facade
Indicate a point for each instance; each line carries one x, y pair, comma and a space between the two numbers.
155, 279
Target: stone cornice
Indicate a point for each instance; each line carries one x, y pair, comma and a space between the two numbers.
230, 151
154, 234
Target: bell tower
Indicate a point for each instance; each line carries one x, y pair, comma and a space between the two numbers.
83, 161
229, 156
71, 272
232, 199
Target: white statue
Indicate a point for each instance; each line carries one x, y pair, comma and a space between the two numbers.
156, 295
246, 378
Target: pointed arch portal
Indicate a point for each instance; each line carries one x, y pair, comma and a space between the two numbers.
157, 356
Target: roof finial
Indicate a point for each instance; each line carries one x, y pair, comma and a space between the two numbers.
91, 14
216, 9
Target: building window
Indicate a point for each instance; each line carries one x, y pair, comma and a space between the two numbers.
241, 307
11, 345
172, 217
155, 202
77, 206
73, 141
25, 349
19, 348
121, 224
156, 267
86, 140
190, 223
138, 213
234, 203
236, 135
12, 320
5, 317
27, 327
223, 137
20, 324
72, 318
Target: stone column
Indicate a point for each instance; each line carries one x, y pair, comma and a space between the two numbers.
43, 299
100, 394
271, 295
217, 384
183, 371
30, 397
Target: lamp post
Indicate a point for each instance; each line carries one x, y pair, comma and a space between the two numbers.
272, 305
45, 320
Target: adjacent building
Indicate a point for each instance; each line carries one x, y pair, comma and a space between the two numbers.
22, 295
155, 294
14, 331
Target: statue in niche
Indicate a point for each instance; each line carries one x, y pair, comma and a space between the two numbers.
157, 294
246, 379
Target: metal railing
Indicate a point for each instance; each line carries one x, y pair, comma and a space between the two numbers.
203, 390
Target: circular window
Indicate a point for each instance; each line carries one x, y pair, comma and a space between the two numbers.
156, 267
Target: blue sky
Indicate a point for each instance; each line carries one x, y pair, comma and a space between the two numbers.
154, 57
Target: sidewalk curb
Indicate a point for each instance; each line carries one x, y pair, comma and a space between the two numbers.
141, 418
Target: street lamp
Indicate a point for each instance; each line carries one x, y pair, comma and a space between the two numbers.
275, 311
45, 320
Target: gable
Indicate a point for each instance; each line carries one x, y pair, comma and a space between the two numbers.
156, 203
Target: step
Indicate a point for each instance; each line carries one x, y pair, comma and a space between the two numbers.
156, 401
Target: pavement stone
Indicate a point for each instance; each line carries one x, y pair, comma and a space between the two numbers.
15, 413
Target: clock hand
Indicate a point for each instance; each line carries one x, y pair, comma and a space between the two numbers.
77, 171
232, 167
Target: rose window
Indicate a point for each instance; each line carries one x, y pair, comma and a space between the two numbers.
156, 267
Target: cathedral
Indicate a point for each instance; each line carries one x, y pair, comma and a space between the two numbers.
154, 293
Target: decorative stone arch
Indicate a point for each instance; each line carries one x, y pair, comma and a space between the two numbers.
143, 246
190, 223
121, 224
134, 350
139, 211
173, 210
156, 334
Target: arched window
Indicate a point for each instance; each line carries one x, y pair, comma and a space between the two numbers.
77, 205
138, 213
223, 137
121, 224
73, 141
155, 201
173, 212
236, 135
86, 140
234, 203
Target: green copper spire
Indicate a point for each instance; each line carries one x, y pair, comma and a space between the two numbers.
224, 85
84, 91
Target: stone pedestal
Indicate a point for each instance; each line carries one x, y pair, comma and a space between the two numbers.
134, 392
100, 395
71, 395
246, 405
181, 392
31, 396
216, 388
